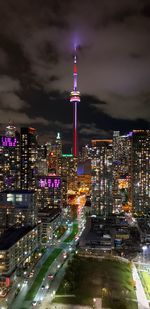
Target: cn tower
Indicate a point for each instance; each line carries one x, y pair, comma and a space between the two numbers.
75, 99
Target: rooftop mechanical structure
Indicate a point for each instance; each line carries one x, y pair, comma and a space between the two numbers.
75, 99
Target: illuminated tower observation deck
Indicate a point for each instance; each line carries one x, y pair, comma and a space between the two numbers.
75, 99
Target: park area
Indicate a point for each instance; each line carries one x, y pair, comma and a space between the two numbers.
89, 278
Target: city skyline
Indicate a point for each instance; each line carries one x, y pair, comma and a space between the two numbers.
36, 66
74, 154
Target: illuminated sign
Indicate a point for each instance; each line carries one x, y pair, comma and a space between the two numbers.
50, 182
7, 281
8, 141
67, 155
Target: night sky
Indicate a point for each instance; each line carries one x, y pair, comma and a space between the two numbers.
36, 46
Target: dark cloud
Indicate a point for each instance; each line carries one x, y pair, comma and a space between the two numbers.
126, 107
36, 42
12, 106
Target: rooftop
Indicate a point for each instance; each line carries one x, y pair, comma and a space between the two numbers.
48, 213
18, 191
12, 235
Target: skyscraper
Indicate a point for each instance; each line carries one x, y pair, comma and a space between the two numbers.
54, 155
42, 165
101, 167
28, 144
75, 99
69, 170
49, 192
10, 159
141, 171
121, 184
131, 166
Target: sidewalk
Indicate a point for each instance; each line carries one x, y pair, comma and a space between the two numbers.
141, 297
62, 306
97, 305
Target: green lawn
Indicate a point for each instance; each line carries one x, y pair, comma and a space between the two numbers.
89, 278
73, 233
39, 278
145, 278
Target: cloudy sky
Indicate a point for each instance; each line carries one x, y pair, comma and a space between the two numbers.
36, 43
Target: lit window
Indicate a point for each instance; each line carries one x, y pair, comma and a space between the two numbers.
18, 197
10, 197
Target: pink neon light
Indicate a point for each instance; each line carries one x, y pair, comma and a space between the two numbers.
75, 99
8, 141
7, 281
50, 183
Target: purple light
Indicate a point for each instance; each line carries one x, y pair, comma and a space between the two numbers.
129, 134
48, 182
8, 141
9, 180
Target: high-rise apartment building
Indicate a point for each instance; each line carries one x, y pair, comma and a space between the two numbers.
28, 157
131, 166
121, 185
42, 164
141, 171
54, 155
101, 169
17, 246
7, 217
9, 159
20, 205
69, 170
85, 153
48, 192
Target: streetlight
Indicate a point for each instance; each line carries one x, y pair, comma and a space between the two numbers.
94, 301
144, 248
